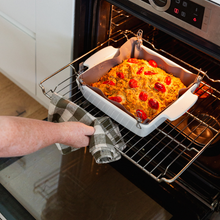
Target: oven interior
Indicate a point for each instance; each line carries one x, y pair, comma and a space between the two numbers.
192, 141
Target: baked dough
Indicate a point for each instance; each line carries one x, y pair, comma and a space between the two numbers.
140, 86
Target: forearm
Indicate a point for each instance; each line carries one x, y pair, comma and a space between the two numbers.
21, 136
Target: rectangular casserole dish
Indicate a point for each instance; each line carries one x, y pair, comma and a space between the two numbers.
102, 61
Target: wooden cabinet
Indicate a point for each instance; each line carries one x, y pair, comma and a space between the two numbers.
36, 40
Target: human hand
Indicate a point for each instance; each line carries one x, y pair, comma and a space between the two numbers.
75, 134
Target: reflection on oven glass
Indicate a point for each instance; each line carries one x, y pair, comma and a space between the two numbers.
203, 128
83, 189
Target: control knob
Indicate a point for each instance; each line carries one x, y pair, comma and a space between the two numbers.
160, 5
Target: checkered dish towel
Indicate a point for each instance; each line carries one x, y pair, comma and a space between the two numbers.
103, 142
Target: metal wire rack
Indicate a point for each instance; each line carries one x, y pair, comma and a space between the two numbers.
173, 146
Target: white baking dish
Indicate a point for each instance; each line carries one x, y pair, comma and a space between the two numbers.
102, 61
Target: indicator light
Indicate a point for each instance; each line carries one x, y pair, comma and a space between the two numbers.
176, 10
194, 19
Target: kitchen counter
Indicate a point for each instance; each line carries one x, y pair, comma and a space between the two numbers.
51, 186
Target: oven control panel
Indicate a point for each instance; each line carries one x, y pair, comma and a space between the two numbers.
199, 17
185, 10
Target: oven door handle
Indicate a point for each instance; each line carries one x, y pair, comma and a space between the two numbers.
182, 104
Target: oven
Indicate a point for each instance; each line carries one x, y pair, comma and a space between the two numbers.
178, 164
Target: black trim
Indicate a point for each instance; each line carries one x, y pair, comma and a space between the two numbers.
11, 207
83, 26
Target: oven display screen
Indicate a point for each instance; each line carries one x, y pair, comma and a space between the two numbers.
187, 11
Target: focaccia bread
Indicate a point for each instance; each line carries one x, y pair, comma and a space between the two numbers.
140, 86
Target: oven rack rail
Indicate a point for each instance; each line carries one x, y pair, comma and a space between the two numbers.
165, 153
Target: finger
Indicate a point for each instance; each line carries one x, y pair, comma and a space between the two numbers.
84, 142
90, 130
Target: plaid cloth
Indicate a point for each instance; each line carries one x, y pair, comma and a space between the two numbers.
103, 143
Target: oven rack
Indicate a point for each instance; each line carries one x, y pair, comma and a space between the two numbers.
171, 148
116, 37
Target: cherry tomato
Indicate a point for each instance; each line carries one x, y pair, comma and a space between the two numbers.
153, 104
141, 114
149, 73
167, 80
133, 83
143, 96
116, 98
153, 63
133, 60
109, 82
140, 70
120, 75
160, 87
